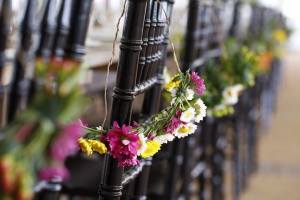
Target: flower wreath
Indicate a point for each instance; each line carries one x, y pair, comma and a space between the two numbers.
126, 143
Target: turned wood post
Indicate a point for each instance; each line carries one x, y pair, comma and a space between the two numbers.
192, 34
63, 27
123, 96
233, 31
47, 30
75, 46
24, 62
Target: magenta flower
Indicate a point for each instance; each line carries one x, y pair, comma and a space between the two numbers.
123, 144
198, 82
172, 125
65, 143
49, 173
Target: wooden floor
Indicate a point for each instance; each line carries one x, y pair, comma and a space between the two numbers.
278, 177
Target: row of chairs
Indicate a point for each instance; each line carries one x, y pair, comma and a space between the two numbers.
58, 35
195, 162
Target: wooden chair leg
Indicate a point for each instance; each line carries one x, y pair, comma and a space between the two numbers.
218, 145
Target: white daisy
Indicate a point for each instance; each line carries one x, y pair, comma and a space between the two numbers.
188, 115
143, 144
163, 139
202, 110
189, 94
185, 129
238, 88
230, 96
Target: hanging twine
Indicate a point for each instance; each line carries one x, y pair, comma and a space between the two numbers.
111, 61
114, 49
170, 41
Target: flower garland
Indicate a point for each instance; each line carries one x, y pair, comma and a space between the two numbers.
227, 79
35, 145
127, 143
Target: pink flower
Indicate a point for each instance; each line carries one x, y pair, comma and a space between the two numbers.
49, 173
198, 82
150, 136
123, 144
172, 125
65, 143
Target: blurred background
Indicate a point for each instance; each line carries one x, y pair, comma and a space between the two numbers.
278, 149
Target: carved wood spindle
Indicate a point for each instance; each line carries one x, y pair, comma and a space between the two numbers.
131, 46
75, 46
24, 61
48, 28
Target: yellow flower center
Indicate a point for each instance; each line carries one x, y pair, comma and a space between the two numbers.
229, 93
183, 130
280, 35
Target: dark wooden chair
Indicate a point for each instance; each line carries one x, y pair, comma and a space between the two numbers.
192, 159
204, 155
141, 62
143, 52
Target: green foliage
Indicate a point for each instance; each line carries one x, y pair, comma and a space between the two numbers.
215, 83
239, 64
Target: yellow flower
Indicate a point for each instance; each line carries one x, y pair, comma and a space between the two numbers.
152, 148
172, 85
85, 146
98, 146
280, 35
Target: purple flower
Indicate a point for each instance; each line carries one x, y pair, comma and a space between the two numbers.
198, 82
123, 144
66, 142
49, 173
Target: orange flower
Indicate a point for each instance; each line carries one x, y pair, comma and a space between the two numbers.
6, 175
264, 60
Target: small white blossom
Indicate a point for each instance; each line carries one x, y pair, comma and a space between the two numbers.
185, 129
189, 94
231, 94
202, 110
188, 115
238, 88
163, 139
